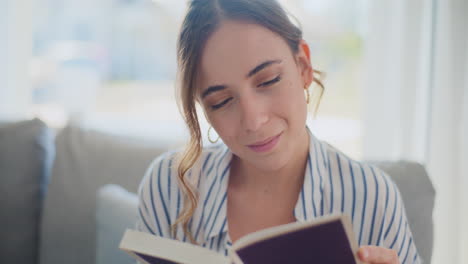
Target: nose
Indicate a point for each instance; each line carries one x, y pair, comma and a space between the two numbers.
253, 114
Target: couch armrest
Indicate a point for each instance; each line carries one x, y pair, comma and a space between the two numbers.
116, 210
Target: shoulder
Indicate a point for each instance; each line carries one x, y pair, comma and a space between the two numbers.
159, 196
162, 172
361, 174
368, 195
361, 189
156, 183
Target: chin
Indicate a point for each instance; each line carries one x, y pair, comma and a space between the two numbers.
272, 162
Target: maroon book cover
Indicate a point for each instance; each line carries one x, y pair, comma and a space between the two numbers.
155, 260
324, 243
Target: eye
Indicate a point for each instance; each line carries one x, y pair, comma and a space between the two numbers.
217, 106
270, 82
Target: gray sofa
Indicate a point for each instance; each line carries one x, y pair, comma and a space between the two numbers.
67, 196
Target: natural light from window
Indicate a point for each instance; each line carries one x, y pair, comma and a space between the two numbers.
113, 63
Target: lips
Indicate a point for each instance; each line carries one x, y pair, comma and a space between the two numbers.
265, 145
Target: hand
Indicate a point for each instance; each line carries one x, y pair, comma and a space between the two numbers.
378, 255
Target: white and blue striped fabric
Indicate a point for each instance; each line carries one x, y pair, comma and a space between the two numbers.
333, 183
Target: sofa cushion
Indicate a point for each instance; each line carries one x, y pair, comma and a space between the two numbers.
116, 211
87, 160
418, 195
26, 155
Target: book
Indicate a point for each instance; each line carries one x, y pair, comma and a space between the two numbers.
328, 239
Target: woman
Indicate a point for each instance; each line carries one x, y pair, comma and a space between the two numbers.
249, 69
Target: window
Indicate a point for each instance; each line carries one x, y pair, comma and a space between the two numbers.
114, 62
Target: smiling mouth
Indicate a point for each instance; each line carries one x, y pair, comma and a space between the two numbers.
265, 145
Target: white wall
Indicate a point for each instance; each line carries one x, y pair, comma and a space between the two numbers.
464, 166
15, 54
395, 90
3, 55
416, 99
446, 151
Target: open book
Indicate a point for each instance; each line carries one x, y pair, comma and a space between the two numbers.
328, 239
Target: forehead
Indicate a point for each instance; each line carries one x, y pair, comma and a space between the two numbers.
237, 47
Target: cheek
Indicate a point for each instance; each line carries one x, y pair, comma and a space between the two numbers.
225, 127
291, 100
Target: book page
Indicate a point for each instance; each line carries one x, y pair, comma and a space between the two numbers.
154, 249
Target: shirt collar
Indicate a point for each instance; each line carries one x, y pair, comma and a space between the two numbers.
311, 201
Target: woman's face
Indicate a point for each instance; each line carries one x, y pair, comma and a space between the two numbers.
251, 87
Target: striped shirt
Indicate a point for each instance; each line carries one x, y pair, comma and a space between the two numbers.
333, 183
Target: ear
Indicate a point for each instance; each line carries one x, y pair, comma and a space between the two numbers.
304, 64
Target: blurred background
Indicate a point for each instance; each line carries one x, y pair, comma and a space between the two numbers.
113, 61
396, 83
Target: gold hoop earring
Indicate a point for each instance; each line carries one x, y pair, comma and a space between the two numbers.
307, 94
209, 137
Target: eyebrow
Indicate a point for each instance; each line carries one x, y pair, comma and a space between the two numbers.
257, 69
262, 66
212, 89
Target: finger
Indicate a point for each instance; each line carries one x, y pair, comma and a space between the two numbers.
377, 255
